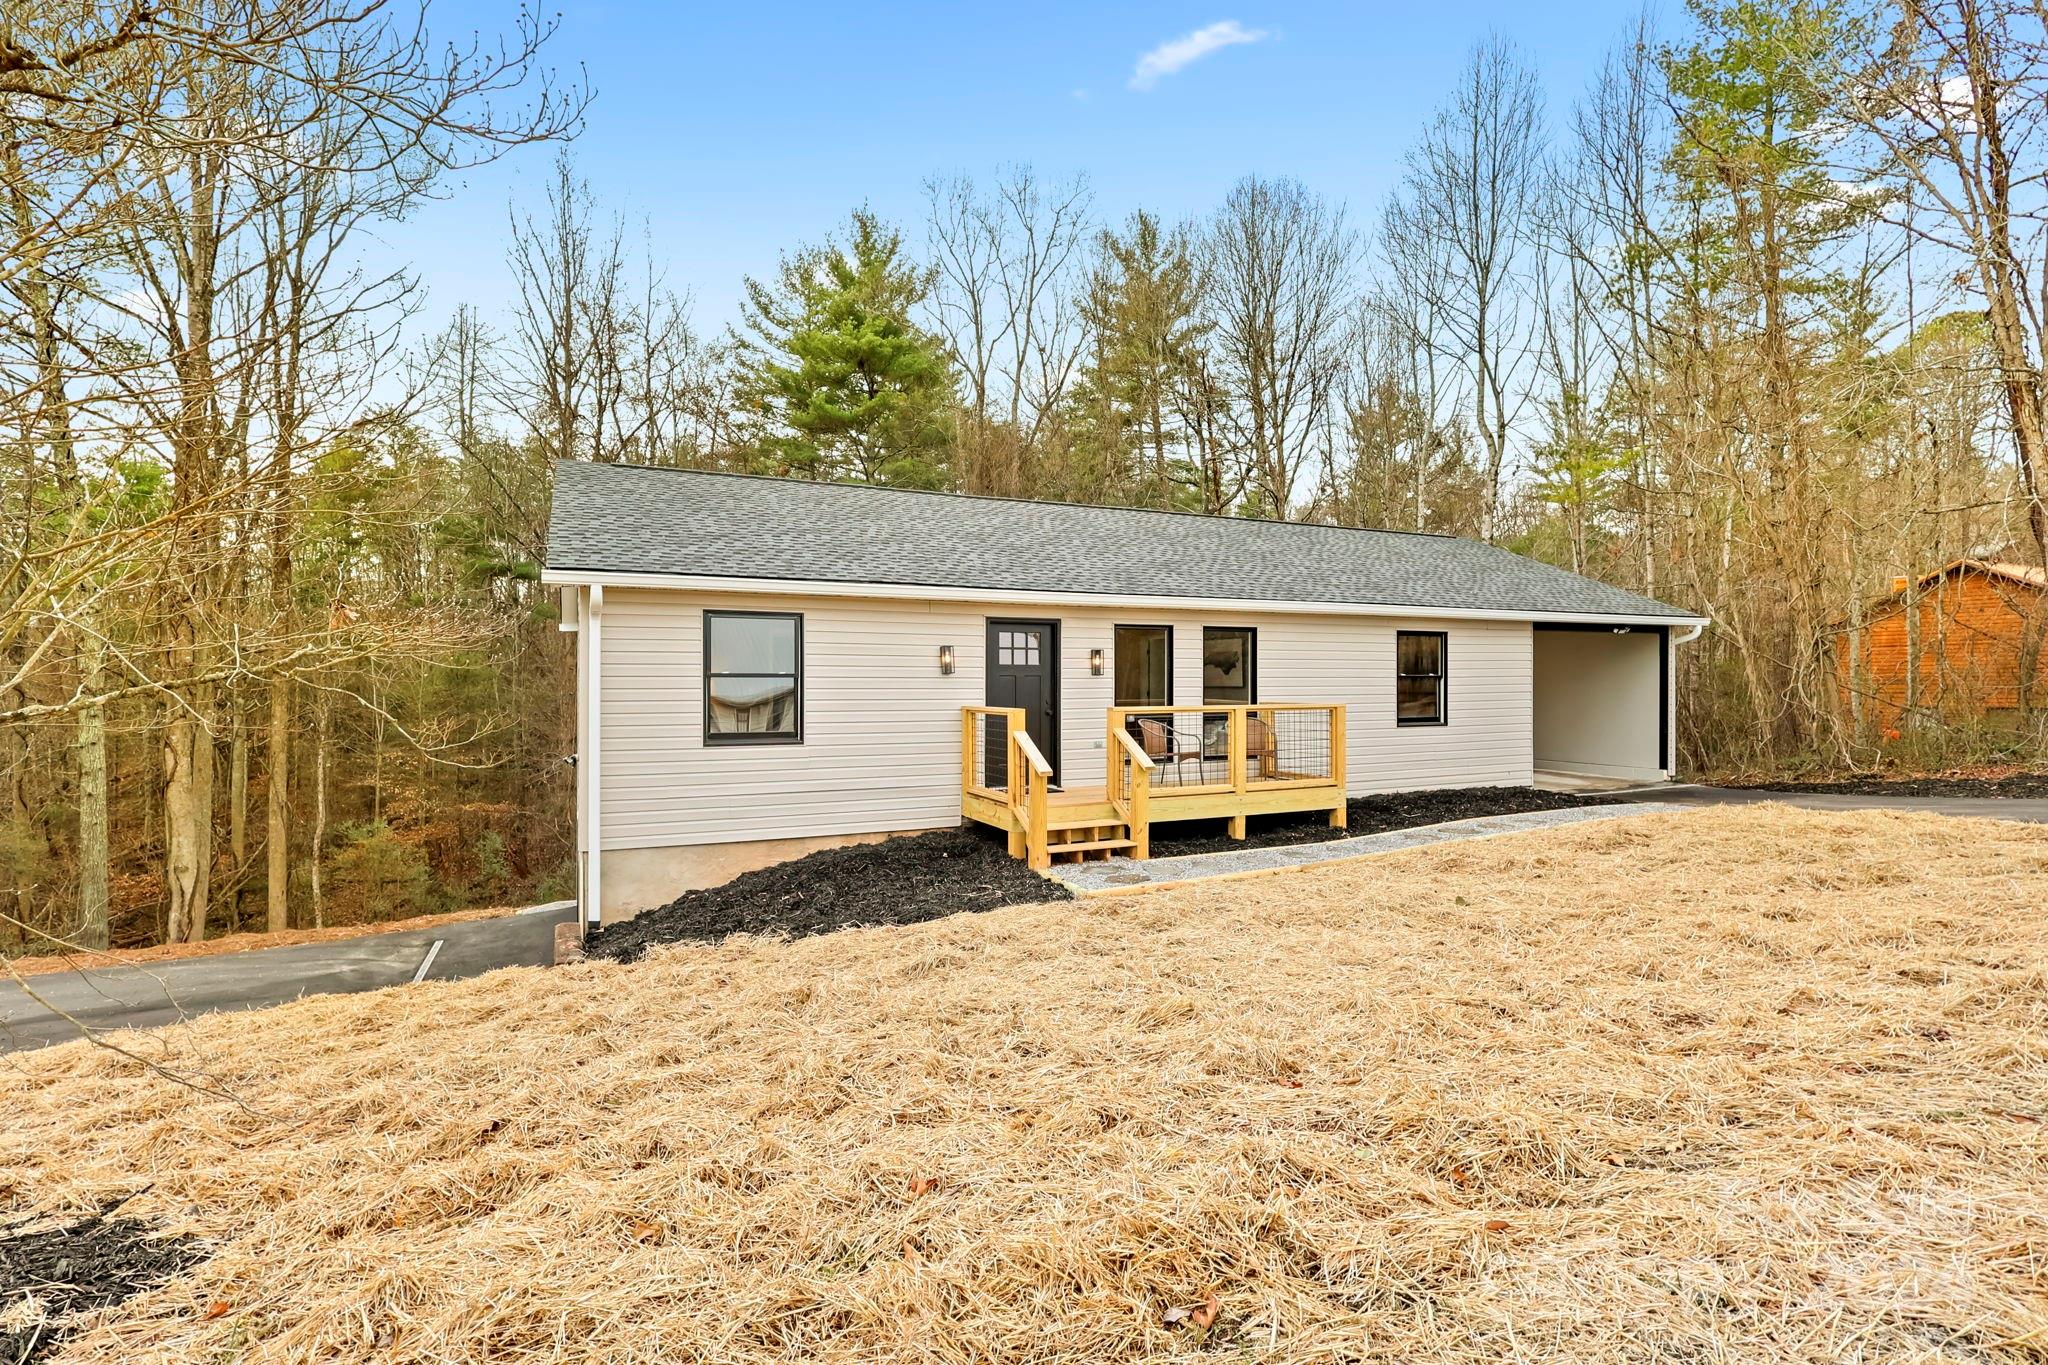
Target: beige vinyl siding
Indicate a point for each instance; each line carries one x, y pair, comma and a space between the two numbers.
881, 726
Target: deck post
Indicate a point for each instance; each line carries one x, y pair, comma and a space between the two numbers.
1340, 771
1238, 782
1039, 853
1141, 812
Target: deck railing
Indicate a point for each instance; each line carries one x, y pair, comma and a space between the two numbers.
1130, 786
999, 762
1203, 749
1161, 763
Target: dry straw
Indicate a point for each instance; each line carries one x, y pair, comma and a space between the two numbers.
1738, 1085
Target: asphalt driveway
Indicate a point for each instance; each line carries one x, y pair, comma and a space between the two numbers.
2034, 811
58, 1006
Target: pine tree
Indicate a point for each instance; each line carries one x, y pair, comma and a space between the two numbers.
850, 386
1141, 307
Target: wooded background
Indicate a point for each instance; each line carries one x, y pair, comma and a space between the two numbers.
1753, 325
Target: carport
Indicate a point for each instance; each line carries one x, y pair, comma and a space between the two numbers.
1602, 701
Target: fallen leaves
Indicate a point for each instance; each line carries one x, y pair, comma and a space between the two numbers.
219, 1308
923, 1185
1496, 1225
646, 1231
1200, 1318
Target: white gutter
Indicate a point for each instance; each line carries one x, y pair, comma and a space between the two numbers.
808, 587
1690, 635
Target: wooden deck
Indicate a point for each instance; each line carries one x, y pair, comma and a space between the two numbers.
1164, 764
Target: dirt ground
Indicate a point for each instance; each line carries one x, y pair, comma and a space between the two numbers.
231, 943
1738, 1084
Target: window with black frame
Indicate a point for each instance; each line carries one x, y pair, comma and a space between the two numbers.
1419, 677
753, 677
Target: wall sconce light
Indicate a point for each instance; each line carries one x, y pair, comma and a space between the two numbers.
1095, 662
946, 659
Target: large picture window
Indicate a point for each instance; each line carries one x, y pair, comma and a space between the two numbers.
1230, 666
753, 677
1419, 677
1144, 665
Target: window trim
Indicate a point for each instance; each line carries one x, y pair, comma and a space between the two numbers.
713, 740
1251, 634
1443, 678
1139, 625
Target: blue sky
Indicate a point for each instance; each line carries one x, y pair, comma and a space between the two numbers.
736, 130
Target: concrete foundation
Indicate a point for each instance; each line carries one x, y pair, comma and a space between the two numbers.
637, 879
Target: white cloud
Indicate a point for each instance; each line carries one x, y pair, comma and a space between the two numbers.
1177, 53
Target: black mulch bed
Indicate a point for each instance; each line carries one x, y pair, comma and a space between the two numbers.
1363, 815
925, 876
2014, 786
73, 1268
898, 881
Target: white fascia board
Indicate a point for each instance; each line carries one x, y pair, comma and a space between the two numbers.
811, 587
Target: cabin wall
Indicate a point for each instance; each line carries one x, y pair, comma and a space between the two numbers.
881, 746
1975, 650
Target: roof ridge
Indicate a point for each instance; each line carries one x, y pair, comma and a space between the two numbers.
1027, 502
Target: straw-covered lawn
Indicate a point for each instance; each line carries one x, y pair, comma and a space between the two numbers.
1735, 1085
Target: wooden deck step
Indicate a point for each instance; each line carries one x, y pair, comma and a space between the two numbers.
1093, 845
1084, 821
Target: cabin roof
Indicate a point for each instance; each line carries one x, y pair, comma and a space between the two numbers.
621, 520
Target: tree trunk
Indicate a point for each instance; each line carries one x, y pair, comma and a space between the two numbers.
89, 749
238, 818
277, 810
319, 808
187, 752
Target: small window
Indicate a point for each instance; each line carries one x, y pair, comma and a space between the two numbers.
1230, 666
753, 678
1144, 665
1017, 648
1419, 677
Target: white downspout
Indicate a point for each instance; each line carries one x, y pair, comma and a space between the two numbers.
589, 762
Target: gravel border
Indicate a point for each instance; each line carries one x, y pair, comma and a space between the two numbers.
1120, 875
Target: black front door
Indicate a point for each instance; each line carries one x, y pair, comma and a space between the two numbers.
1024, 671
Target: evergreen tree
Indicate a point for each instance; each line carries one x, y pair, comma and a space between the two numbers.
1141, 307
850, 386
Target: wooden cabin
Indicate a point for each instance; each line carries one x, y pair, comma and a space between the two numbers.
1978, 623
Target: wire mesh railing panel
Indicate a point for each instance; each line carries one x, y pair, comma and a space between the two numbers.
991, 755
1289, 745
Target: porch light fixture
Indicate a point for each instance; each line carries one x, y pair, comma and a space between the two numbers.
946, 659
1095, 662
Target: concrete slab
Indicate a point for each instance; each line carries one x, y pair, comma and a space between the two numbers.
1124, 874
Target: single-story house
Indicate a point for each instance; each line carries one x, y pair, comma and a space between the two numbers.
1966, 638
770, 666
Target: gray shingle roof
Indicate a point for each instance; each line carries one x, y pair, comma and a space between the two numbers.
627, 519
